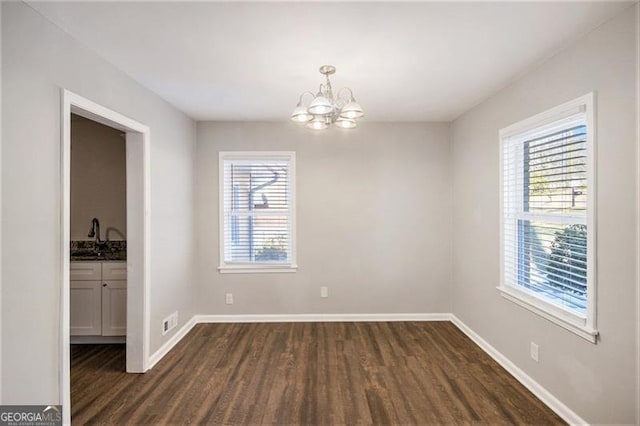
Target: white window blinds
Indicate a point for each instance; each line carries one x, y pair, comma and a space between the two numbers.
257, 209
545, 176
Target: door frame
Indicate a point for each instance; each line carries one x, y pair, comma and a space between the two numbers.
138, 235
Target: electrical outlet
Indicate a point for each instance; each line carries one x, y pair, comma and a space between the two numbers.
324, 291
229, 298
535, 352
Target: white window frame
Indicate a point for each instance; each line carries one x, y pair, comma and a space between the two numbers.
583, 326
253, 267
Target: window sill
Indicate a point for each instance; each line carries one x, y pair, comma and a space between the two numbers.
556, 315
257, 269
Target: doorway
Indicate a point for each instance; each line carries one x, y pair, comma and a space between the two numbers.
137, 150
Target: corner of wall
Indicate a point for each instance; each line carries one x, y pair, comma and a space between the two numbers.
637, 116
198, 281
195, 275
452, 299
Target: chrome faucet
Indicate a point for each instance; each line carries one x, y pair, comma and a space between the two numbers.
95, 232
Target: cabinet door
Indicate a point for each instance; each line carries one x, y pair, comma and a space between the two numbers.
85, 308
114, 308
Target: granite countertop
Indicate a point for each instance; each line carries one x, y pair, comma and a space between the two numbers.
89, 251
98, 257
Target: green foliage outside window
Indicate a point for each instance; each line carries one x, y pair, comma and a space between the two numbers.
273, 250
568, 259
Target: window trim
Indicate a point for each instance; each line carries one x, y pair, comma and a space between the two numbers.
584, 327
253, 268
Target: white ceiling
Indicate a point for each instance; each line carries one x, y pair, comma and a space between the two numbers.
250, 61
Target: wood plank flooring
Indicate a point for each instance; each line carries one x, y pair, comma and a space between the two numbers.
305, 373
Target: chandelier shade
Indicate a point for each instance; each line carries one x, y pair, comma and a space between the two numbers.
352, 110
320, 105
325, 109
301, 115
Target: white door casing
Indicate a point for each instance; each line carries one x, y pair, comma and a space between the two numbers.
138, 239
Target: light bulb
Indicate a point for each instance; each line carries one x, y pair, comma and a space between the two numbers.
317, 124
346, 123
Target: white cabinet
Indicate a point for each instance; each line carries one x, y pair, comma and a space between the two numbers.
114, 308
86, 271
114, 299
114, 271
86, 308
98, 304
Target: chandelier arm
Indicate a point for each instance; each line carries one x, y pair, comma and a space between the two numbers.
302, 96
350, 92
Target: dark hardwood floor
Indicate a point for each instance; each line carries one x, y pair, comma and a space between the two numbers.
305, 373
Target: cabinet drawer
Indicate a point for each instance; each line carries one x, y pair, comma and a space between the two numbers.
114, 271
85, 271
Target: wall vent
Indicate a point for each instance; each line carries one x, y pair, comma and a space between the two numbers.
169, 323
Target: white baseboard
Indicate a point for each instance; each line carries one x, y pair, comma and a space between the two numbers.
322, 318
536, 388
169, 344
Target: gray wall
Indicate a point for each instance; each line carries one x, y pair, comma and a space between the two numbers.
373, 220
375, 214
38, 59
596, 381
98, 180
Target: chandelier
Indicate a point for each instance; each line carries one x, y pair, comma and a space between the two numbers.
325, 109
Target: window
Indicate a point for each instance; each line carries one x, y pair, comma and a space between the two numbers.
257, 214
548, 239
